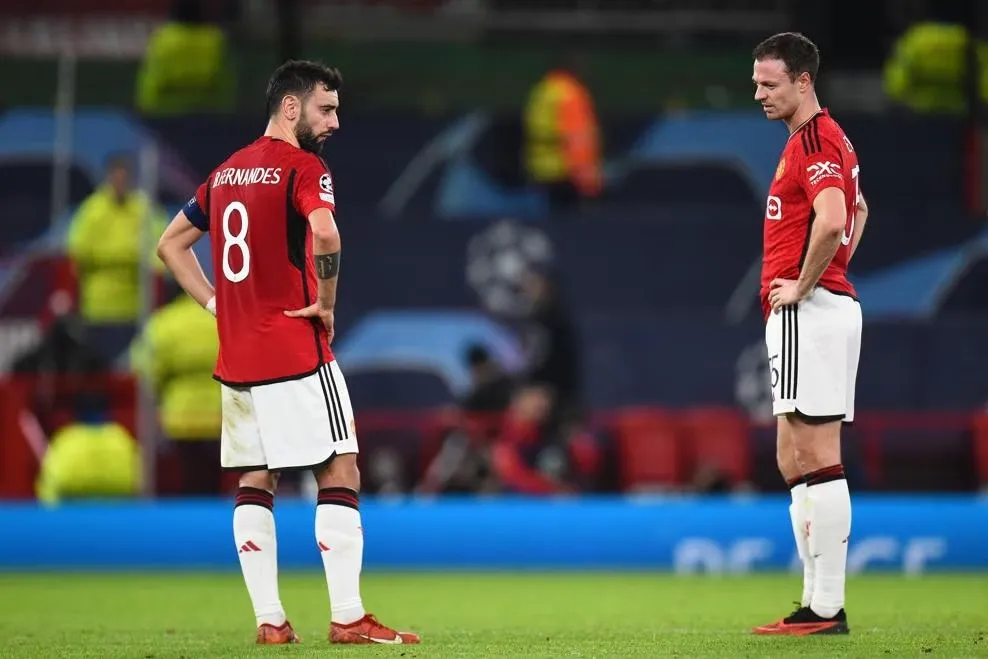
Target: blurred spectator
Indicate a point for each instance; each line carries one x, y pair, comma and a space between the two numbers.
926, 70
64, 350
551, 342
544, 446
535, 457
104, 245
177, 354
491, 388
562, 138
89, 458
186, 68
462, 464
63, 347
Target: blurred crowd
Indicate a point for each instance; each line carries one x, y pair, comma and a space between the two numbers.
521, 433
524, 430
521, 430
174, 352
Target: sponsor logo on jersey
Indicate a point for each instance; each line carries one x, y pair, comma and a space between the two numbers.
823, 170
773, 209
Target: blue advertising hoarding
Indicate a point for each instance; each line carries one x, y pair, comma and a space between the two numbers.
907, 534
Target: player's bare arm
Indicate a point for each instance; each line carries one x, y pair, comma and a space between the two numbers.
860, 218
175, 251
326, 247
326, 252
825, 237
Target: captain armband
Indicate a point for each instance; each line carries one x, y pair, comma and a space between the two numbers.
327, 265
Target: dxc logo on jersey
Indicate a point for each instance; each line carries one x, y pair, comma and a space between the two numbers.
821, 170
773, 209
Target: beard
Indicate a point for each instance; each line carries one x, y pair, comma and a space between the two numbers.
306, 137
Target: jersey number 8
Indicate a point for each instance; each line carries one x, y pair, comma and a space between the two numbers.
238, 240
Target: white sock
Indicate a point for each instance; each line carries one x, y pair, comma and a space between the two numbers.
830, 528
257, 546
798, 515
340, 537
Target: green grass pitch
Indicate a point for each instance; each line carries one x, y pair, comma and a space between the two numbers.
199, 615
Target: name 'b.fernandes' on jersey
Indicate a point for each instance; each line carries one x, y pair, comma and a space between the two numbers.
256, 207
817, 156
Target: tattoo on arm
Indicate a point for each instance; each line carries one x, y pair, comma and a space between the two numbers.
327, 265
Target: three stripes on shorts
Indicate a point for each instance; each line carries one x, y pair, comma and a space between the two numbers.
331, 394
789, 366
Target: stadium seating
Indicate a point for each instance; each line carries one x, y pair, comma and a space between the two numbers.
650, 453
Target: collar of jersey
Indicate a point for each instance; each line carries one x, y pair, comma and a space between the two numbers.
811, 117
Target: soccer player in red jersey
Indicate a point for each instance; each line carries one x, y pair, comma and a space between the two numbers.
814, 218
270, 212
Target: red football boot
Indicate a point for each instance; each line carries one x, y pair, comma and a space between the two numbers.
369, 630
803, 622
271, 635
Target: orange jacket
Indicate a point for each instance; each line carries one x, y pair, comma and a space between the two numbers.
562, 137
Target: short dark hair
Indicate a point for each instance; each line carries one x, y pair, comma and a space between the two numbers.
799, 54
300, 77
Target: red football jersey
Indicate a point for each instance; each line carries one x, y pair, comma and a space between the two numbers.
257, 204
817, 156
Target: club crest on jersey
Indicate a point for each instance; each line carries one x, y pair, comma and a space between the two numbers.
781, 169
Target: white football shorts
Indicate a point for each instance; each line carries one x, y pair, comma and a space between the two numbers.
295, 424
813, 351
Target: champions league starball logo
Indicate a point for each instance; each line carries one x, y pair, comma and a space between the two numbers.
753, 388
497, 259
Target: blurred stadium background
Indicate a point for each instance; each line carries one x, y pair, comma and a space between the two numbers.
539, 343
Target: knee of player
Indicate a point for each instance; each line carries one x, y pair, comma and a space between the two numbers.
787, 462
817, 448
261, 480
342, 471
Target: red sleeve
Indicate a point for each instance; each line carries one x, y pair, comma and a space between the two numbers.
201, 197
313, 187
519, 477
823, 166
